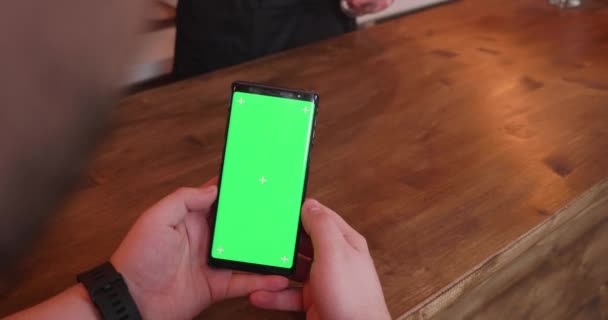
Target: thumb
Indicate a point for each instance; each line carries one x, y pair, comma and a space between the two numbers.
172, 209
325, 234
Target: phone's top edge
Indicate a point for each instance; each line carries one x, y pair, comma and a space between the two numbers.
243, 86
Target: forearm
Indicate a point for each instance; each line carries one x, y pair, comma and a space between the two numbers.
73, 303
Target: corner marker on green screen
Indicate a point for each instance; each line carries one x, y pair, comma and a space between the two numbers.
263, 179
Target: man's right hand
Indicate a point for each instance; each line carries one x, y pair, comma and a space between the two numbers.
343, 282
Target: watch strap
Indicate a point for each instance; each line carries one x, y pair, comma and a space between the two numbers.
109, 293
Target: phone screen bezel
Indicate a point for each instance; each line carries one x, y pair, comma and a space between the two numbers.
240, 86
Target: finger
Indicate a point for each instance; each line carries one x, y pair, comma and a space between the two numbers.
383, 5
212, 182
302, 271
200, 199
354, 238
368, 8
173, 208
361, 7
342, 224
286, 300
305, 245
321, 227
242, 284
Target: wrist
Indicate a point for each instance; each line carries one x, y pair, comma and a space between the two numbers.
132, 286
82, 301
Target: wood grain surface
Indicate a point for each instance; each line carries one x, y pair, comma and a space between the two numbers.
442, 137
558, 270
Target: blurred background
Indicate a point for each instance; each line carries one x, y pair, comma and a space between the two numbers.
155, 55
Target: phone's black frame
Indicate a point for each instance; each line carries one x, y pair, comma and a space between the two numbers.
240, 86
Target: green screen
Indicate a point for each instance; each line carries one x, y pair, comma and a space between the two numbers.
263, 179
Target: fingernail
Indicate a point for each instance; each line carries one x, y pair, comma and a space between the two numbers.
313, 206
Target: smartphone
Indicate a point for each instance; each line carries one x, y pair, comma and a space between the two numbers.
262, 180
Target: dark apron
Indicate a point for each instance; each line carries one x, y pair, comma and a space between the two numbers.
213, 34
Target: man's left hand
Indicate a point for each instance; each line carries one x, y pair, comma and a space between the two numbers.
164, 260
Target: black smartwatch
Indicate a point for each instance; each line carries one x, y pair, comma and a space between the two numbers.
109, 293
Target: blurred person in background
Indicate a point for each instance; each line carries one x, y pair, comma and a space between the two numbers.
63, 64
216, 34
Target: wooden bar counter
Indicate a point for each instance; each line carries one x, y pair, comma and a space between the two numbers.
453, 139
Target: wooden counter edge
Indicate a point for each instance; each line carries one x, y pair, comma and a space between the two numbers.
468, 295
